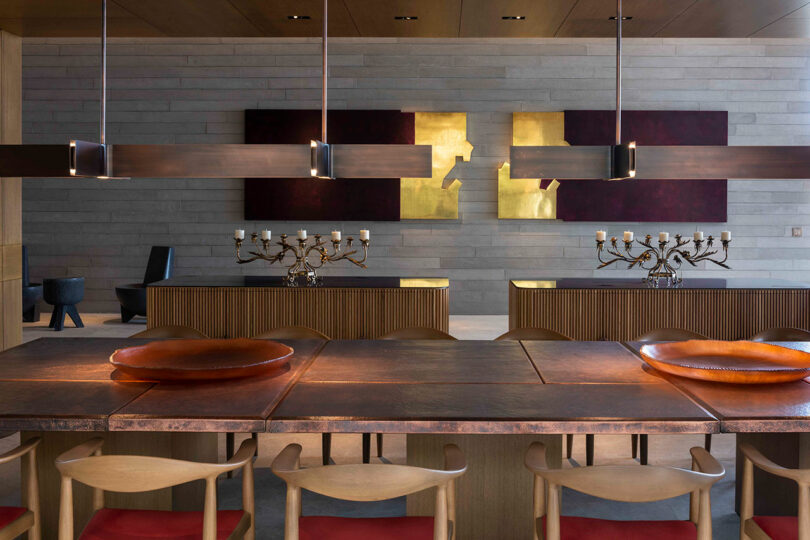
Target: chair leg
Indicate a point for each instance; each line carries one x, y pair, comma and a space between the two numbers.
57, 318
379, 445
707, 442
589, 442
569, 445
326, 447
126, 315
634, 444
229, 445
32, 314
643, 444
366, 447
74, 316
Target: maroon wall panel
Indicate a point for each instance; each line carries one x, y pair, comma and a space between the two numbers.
342, 199
645, 200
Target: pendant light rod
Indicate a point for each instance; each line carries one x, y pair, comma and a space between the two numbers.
324, 69
103, 116
618, 72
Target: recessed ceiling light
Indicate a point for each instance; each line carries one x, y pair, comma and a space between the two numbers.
298, 17
406, 18
613, 18
514, 17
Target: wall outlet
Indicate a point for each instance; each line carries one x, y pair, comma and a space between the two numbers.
797, 232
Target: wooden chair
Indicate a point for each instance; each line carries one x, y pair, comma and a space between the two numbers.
532, 334
132, 474
782, 334
291, 332
754, 527
170, 332
641, 443
369, 482
626, 483
417, 332
15, 520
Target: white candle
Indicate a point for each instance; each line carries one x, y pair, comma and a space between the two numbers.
364, 234
725, 236
266, 234
600, 236
239, 234
628, 236
335, 236
302, 234
663, 237
698, 236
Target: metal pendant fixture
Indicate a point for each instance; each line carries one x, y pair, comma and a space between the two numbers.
622, 156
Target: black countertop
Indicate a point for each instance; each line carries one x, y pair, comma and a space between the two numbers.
637, 283
342, 282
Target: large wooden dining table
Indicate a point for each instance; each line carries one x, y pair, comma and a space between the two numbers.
490, 398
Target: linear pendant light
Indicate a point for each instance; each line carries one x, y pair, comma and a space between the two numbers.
625, 161
317, 159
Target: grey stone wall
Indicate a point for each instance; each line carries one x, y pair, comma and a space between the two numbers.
195, 91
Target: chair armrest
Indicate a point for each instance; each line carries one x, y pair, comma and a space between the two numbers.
536, 457
760, 461
706, 463
287, 460
21, 450
454, 459
82, 451
245, 454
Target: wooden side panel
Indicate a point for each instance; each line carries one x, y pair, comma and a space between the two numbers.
340, 313
624, 314
11, 192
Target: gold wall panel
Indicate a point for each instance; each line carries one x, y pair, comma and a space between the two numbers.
523, 198
424, 198
624, 314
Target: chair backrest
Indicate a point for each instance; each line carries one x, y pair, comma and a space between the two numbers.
159, 267
782, 334
417, 332
626, 483
31, 521
532, 334
26, 278
669, 334
291, 332
170, 331
131, 474
369, 482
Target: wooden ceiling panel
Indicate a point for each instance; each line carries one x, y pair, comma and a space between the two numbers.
272, 17
484, 18
795, 25
590, 18
729, 18
204, 18
436, 18
68, 18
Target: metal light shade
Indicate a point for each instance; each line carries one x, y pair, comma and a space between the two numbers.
320, 160
623, 161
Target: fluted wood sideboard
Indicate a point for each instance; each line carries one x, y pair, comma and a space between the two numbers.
623, 309
341, 308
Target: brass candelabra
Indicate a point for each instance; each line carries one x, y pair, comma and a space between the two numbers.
302, 249
663, 262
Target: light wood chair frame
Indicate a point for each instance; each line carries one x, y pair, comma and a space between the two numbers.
30, 520
781, 334
170, 331
626, 483
749, 530
371, 482
130, 474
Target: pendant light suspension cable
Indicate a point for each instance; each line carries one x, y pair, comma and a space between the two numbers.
618, 72
103, 115
324, 69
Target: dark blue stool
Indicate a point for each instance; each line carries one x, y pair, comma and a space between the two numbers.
63, 294
31, 292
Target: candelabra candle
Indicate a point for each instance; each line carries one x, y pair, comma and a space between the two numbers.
665, 260
302, 248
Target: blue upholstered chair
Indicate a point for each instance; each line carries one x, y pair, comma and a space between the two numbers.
133, 295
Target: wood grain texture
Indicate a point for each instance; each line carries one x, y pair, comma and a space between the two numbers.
624, 314
422, 361
494, 496
340, 313
586, 362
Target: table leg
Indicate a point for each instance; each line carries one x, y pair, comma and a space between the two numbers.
191, 446
494, 497
589, 445
773, 495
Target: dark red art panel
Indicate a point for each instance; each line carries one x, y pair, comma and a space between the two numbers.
639, 199
342, 199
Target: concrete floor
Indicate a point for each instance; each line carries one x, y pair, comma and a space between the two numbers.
670, 450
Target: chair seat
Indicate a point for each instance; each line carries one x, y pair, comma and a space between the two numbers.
779, 527
339, 528
581, 528
8, 514
114, 523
